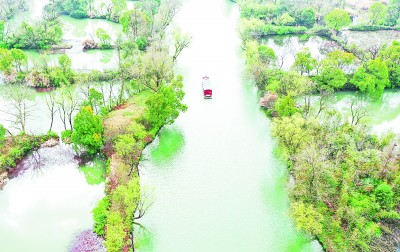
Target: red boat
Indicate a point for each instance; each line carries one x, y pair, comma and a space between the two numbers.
207, 91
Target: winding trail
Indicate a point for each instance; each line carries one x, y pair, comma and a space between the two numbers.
217, 184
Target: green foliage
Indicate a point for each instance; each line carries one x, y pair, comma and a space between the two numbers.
391, 56
115, 234
257, 10
12, 60
304, 62
286, 19
291, 132
125, 198
306, 17
75, 8
339, 59
3, 132
384, 195
134, 23
285, 106
19, 146
378, 13
105, 38
118, 6
163, 106
253, 28
142, 43
337, 19
372, 79
88, 130
66, 136
393, 14
333, 77
307, 218
100, 213
266, 54
5, 60
2, 43
39, 35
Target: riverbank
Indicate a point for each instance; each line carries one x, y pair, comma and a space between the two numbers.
128, 129
346, 183
123, 172
15, 148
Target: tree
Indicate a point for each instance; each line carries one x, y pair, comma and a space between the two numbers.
67, 104
5, 60
358, 110
181, 41
18, 58
2, 44
306, 17
339, 59
378, 13
337, 19
393, 13
104, 37
285, 106
117, 7
384, 195
164, 105
307, 218
11, 62
293, 84
391, 56
333, 77
266, 55
129, 150
100, 213
134, 23
21, 105
285, 19
304, 62
292, 133
156, 68
166, 12
372, 79
88, 130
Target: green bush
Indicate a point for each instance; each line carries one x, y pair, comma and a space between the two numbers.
384, 195
66, 136
100, 213
142, 43
2, 134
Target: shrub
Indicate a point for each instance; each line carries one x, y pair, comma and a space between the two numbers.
88, 130
384, 195
100, 215
2, 134
66, 136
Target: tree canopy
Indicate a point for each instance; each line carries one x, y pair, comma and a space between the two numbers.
337, 19
88, 130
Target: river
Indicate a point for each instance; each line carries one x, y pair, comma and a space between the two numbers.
217, 185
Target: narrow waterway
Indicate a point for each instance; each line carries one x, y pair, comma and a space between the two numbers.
217, 185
